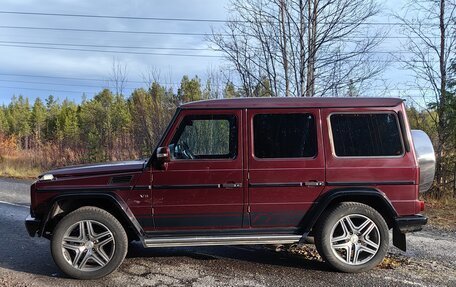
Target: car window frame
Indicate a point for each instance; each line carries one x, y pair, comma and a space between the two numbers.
331, 138
179, 130
288, 112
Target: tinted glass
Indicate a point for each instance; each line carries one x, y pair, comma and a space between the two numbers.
366, 135
205, 137
284, 135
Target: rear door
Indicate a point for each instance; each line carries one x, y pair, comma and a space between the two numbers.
285, 165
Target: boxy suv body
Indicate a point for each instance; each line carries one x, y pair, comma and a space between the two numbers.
247, 171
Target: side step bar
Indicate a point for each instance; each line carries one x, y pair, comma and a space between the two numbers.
220, 240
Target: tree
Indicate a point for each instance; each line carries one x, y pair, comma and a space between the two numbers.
38, 120
451, 112
19, 119
67, 124
263, 89
297, 45
189, 90
3, 121
431, 42
118, 76
230, 91
52, 110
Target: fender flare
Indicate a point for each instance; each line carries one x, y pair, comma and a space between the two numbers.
118, 202
357, 194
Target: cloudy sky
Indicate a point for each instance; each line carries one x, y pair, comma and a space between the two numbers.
66, 72
26, 70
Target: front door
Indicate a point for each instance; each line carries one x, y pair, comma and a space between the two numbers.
286, 165
201, 187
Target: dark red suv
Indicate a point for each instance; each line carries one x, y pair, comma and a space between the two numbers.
247, 171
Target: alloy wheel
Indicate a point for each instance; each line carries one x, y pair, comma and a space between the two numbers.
355, 239
88, 245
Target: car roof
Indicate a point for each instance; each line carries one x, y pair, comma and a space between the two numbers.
280, 102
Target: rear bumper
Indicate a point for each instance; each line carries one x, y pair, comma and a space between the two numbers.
32, 225
411, 223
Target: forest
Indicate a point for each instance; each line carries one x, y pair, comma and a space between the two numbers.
48, 133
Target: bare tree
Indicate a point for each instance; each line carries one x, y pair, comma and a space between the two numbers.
431, 41
118, 76
293, 44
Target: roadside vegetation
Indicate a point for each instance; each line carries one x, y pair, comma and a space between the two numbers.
48, 132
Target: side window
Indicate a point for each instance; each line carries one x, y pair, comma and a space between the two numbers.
284, 135
205, 137
366, 135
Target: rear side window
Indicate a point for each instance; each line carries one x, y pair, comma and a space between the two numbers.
366, 135
284, 135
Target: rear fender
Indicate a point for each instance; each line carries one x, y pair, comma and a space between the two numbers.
370, 196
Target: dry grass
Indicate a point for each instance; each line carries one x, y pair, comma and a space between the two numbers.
18, 167
441, 213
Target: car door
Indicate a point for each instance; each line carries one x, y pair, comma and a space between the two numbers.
201, 187
286, 167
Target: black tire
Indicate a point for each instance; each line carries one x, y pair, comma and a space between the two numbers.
337, 258
100, 219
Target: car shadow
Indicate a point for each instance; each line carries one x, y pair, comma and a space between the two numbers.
257, 254
20, 252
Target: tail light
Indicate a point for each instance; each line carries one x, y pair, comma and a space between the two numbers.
421, 205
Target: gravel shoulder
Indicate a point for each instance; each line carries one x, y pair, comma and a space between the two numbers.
24, 261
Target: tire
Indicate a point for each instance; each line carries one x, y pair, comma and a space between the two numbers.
94, 253
354, 247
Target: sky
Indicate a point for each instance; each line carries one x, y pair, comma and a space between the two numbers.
20, 66
36, 72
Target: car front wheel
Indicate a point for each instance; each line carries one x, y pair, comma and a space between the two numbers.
352, 237
89, 243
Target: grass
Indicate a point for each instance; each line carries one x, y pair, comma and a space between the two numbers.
17, 167
442, 213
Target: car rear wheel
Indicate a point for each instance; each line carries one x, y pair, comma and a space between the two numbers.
89, 243
352, 237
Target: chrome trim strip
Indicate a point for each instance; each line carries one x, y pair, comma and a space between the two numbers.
187, 186
277, 184
219, 240
367, 183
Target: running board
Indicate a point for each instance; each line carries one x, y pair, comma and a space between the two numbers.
220, 240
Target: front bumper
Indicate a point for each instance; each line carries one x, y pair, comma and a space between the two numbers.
411, 223
32, 225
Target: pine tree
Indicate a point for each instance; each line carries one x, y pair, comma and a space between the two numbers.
38, 120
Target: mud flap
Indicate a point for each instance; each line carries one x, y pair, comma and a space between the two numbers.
399, 239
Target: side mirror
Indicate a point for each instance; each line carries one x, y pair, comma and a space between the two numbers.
163, 155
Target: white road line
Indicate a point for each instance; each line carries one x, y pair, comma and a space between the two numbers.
14, 204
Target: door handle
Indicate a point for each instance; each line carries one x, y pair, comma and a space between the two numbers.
314, 183
231, 185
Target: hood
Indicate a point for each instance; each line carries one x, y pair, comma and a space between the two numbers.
98, 168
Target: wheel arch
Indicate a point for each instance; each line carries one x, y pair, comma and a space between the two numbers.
66, 203
369, 196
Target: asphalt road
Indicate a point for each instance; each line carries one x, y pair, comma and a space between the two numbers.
25, 261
